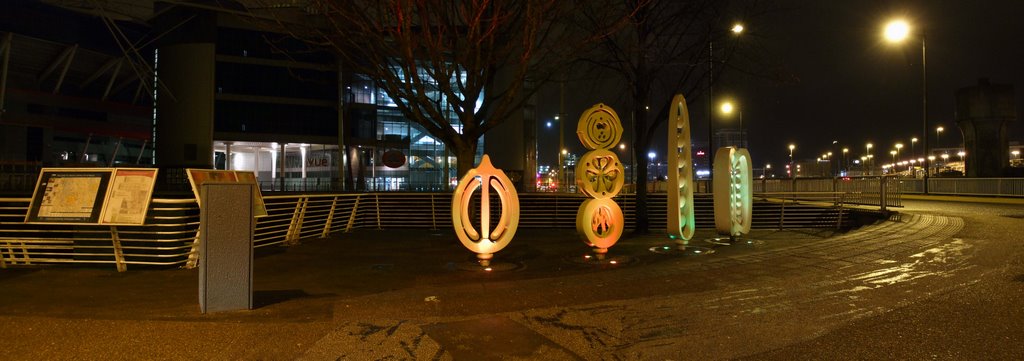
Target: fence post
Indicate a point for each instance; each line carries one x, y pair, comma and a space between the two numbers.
376, 198
330, 218
882, 197
782, 212
433, 213
842, 204
118, 255
193, 254
352, 216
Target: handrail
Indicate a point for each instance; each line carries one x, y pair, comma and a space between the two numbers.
170, 237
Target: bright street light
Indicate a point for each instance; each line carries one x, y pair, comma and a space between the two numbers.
727, 107
897, 30
737, 28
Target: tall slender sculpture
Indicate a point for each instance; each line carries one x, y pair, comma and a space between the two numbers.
680, 175
485, 242
600, 175
733, 193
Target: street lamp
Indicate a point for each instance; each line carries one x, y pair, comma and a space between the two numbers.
728, 108
767, 166
893, 152
912, 141
938, 132
791, 147
897, 31
736, 30
846, 163
898, 147
867, 149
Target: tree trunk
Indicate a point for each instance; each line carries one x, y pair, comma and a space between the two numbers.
640, 161
464, 156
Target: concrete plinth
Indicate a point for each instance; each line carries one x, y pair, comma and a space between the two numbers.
983, 112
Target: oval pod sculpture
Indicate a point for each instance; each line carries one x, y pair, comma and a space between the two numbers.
485, 242
680, 175
733, 193
600, 175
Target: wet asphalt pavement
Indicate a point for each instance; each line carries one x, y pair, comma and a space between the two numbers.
940, 280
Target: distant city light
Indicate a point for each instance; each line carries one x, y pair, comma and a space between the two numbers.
549, 124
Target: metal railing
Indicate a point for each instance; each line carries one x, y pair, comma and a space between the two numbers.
881, 191
169, 236
1000, 187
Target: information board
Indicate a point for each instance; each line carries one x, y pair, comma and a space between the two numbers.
197, 177
69, 195
259, 209
128, 196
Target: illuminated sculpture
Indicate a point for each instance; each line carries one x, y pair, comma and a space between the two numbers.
600, 175
486, 241
680, 176
732, 194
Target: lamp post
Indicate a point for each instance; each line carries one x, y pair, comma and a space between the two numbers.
736, 30
846, 161
867, 149
767, 166
650, 155
912, 141
792, 170
897, 31
893, 152
728, 108
899, 146
938, 133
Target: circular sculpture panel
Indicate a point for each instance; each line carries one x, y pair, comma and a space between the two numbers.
600, 174
600, 222
485, 242
599, 127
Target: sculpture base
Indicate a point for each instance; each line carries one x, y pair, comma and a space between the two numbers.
601, 259
491, 266
679, 249
733, 241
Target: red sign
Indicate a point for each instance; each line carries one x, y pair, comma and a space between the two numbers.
393, 158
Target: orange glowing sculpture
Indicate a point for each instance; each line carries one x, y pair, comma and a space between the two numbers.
486, 241
681, 224
600, 175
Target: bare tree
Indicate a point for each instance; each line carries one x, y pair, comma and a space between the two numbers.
658, 48
441, 57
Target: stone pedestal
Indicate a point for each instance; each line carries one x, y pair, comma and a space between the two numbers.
983, 113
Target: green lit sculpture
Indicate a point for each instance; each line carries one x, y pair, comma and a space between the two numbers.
680, 175
732, 191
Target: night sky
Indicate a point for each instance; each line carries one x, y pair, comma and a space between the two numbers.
842, 81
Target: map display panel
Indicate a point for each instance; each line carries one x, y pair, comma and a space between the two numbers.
128, 198
70, 196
